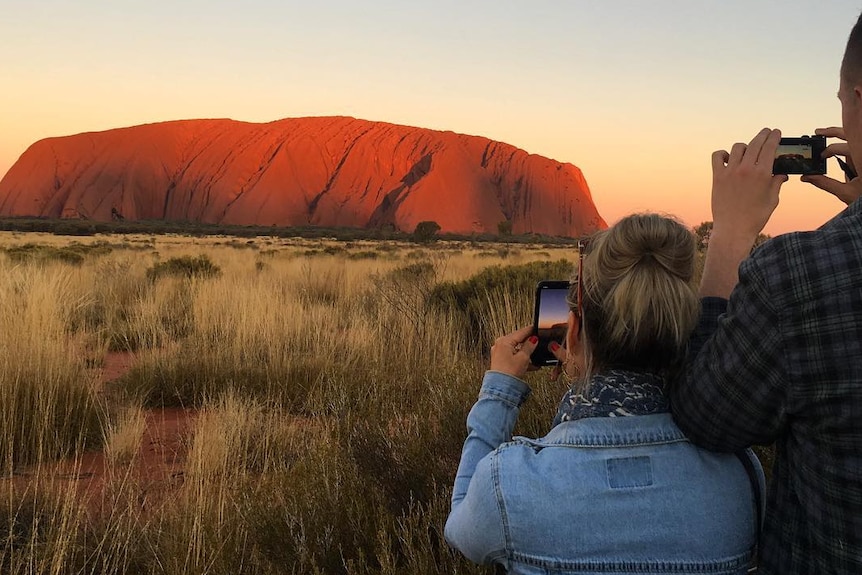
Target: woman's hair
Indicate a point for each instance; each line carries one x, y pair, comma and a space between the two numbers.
639, 301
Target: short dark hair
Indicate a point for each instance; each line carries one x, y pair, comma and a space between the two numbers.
851, 66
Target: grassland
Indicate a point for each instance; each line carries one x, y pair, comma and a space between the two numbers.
329, 383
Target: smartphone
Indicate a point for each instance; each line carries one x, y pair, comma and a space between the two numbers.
800, 156
550, 319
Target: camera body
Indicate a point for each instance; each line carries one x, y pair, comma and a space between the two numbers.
800, 156
550, 319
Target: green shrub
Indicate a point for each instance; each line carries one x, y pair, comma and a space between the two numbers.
184, 266
333, 250
471, 299
249, 244
73, 254
426, 232
363, 255
417, 255
408, 290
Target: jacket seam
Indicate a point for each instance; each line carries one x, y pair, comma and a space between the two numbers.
501, 504
718, 566
505, 398
603, 444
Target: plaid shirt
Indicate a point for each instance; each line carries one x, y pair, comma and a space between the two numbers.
781, 362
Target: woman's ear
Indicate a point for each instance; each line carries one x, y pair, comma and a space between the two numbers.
574, 336
575, 345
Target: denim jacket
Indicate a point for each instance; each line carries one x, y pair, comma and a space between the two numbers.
596, 495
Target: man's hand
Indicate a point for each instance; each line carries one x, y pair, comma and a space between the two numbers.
851, 188
744, 191
744, 195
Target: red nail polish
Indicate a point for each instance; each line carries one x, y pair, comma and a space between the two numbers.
554, 346
534, 339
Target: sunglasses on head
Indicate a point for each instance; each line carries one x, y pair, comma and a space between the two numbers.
577, 302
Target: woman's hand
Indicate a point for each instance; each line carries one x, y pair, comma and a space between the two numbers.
562, 356
572, 365
510, 354
848, 190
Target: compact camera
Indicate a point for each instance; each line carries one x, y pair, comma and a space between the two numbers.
800, 156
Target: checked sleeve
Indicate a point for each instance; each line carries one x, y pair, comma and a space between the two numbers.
732, 392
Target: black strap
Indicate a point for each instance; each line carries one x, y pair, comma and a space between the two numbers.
754, 478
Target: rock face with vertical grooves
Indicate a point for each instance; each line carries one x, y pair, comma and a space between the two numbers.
328, 171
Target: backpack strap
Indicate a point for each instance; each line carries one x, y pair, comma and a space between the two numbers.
755, 473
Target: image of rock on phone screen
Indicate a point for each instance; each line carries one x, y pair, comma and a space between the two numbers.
550, 319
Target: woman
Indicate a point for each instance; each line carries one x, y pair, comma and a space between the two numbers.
614, 486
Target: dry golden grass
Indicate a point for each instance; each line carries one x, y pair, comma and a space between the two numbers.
123, 436
331, 391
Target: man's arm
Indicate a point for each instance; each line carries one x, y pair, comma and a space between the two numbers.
729, 395
733, 390
744, 195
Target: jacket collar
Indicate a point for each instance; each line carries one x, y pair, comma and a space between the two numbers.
611, 432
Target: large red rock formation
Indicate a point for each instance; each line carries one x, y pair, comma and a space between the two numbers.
305, 171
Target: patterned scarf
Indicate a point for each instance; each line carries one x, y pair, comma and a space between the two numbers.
615, 393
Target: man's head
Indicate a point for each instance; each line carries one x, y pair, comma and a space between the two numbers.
850, 92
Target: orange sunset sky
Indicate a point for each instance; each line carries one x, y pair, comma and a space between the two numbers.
637, 94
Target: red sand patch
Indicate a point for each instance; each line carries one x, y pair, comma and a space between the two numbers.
156, 469
115, 365
158, 464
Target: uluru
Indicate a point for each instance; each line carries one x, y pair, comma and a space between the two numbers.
325, 171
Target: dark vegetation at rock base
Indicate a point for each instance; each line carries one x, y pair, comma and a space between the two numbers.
67, 227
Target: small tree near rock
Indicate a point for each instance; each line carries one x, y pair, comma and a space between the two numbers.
426, 232
704, 231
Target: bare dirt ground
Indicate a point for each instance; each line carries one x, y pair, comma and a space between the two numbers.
156, 469
115, 365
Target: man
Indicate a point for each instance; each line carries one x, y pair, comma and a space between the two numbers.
777, 356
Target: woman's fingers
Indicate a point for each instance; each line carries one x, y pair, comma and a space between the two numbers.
558, 351
510, 353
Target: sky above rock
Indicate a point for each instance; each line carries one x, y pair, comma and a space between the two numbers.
637, 94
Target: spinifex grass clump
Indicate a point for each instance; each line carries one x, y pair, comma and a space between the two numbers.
185, 266
126, 312
267, 492
74, 253
49, 406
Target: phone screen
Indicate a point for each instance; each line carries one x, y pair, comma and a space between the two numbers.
550, 319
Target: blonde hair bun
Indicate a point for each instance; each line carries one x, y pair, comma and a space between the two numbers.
640, 305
